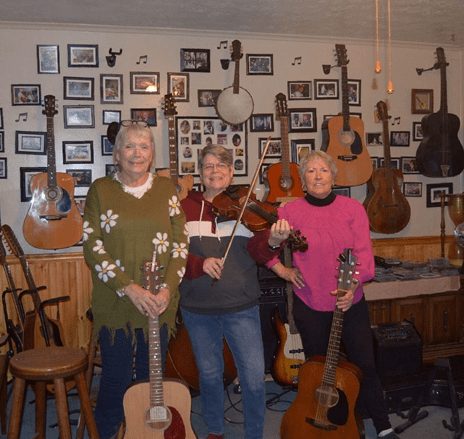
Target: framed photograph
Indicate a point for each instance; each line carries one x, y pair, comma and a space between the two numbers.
299, 90
82, 177
417, 131
375, 162
275, 147
302, 120
106, 146
374, 139
354, 92
25, 94
259, 64
30, 142
48, 58
1, 118
111, 91
3, 168
2, 141
421, 101
342, 190
146, 114
178, 85
195, 60
110, 169
25, 175
79, 116
399, 138
301, 147
408, 165
262, 122
412, 189
326, 88
78, 152
263, 172
82, 55
207, 98
80, 204
394, 162
145, 83
434, 191
110, 116
78, 88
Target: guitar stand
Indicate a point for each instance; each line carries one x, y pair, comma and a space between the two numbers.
277, 398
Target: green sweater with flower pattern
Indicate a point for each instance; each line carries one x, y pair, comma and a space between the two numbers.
120, 233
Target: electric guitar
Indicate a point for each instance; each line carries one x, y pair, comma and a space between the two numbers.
53, 220
343, 136
159, 409
183, 184
327, 389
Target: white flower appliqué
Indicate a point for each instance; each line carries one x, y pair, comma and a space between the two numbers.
99, 247
179, 250
161, 242
108, 220
105, 271
174, 206
87, 230
118, 263
181, 272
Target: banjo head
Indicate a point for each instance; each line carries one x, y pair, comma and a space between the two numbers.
234, 108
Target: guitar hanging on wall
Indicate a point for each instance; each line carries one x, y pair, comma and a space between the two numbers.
440, 153
343, 136
53, 220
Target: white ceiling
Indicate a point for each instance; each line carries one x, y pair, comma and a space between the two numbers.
439, 22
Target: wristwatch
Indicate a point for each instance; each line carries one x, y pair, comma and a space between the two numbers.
274, 247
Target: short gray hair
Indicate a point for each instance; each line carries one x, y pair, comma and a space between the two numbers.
312, 155
123, 134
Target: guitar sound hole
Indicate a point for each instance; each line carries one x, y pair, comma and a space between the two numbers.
286, 183
158, 417
327, 396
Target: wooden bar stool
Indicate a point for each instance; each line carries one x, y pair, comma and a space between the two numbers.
43, 365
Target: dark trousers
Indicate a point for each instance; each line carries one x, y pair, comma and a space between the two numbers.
314, 328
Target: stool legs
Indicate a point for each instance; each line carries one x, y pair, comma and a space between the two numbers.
40, 409
86, 408
19, 387
62, 408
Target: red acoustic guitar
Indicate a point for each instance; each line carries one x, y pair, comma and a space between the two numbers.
327, 389
343, 136
53, 220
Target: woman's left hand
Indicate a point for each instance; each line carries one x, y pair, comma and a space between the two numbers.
344, 302
280, 231
162, 300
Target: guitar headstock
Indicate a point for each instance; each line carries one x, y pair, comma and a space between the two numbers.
281, 105
169, 105
49, 106
341, 56
11, 241
346, 269
236, 50
382, 110
151, 275
441, 59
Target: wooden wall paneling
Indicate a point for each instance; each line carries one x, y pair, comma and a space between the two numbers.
442, 318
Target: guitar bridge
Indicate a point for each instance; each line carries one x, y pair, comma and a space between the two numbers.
347, 158
51, 217
327, 427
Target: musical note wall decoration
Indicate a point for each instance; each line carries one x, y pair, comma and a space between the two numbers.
297, 60
22, 117
142, 59
222, 44
396, 120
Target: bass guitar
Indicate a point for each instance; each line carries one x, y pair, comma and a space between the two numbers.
327, 389
234, 104
386, 206
283, 178
183, 184
53, 220
159, 409
440, 153
343, 136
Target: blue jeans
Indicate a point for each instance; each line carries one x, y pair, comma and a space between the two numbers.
242, 330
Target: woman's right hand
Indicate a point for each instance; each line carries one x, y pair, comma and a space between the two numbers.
213, 267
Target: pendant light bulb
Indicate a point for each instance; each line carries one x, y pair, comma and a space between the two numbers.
378, 66
390, 87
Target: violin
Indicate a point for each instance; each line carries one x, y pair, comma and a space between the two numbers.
257, 215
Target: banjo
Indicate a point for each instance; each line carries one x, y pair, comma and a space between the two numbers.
234, 104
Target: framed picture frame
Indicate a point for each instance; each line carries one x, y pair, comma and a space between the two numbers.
375, 162
31, 142
302, 120
25, 176
374, 139
26, 94
1, 118
326, 89
79, 116
354, 92
260, 64
299, 90
207, 97
274, 150
48, 59
178, 85
145, 83
2, 141
82, 177
421, 101
146, 114
80, 151
399, 138
263, 171
409, 165
195, 60
110, 116
433, 193
412, 189
3, 168
106, 146
82, 55
78, 88
80, 204
342, 190
111, 89
417, 134
110, 169
395, 162
301, 147
262, 122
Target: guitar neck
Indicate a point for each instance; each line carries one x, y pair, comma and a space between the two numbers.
156, 371
285, 147
172, 150
237, 76
289, 290
333, 349
386, 144
51, 160
345, 102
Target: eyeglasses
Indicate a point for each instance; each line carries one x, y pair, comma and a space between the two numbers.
129, 122
212, 166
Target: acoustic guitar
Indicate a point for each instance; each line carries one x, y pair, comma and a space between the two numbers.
53, 220
386, 206
183, 184
327, 389
283, 178
343, 136
234, 104
159, 409
440, 153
